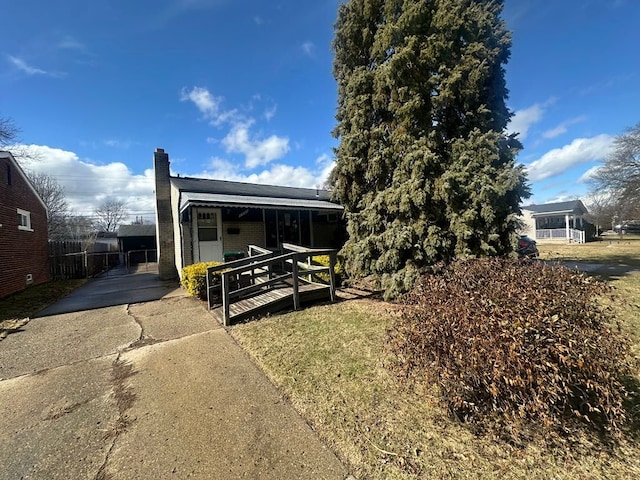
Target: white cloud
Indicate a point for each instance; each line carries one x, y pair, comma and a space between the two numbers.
326, 163
587, 176
269, 113
277, 174
208, 105
87, 184
121, 144
559, 160
308, 48
71, 43
23, 66
239, 139
256, 152
523, 119
258, 20
563, 127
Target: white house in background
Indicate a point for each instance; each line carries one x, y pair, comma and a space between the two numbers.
556, 222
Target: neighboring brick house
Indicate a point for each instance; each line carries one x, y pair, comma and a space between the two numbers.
200, 219
24, 249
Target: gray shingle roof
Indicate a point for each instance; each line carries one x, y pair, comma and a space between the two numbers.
572, 206
202, 185
136, 231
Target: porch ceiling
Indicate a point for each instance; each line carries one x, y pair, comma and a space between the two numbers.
194, 199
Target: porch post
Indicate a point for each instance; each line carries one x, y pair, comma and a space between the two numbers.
566, 222
294, 277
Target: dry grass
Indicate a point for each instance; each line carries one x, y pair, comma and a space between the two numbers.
330, 361
30, 301
610, 250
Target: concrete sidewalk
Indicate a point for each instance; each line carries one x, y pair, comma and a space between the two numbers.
149, 390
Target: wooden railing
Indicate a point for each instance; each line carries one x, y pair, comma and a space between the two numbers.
263, 270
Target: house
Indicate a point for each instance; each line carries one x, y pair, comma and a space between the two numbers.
199, 220
557, 222
24, 248
137, 243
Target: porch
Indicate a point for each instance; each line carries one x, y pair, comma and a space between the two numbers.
560, 234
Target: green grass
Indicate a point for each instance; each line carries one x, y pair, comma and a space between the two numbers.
330, 362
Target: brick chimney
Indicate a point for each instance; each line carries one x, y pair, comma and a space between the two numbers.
164, 217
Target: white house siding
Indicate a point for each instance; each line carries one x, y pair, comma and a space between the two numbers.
529, 224
177, 239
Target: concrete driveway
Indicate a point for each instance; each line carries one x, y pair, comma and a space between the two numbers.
144, 389
115, 287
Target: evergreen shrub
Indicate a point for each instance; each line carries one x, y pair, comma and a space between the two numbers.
194, 278
514, 344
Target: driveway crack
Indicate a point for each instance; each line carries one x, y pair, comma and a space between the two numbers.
124, 397
143, 338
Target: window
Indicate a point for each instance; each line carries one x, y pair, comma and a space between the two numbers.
24, 220
207, 226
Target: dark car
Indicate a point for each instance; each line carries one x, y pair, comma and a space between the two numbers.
527, 247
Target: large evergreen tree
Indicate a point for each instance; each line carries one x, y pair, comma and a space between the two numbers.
424, 168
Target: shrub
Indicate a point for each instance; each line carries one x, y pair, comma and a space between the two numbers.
323, 260
194, 278
515, 343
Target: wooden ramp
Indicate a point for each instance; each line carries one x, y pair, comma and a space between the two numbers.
271, 301
266, 282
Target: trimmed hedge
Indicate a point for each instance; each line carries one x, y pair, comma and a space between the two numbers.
514, 343
194, 278
324, 260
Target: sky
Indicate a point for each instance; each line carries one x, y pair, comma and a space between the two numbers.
243, 90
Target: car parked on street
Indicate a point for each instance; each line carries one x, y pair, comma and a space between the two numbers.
527, 247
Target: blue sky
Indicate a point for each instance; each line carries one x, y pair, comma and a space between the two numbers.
243, 90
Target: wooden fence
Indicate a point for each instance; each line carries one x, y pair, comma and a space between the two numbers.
71, 259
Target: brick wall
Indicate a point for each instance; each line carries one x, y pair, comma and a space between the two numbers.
251, 233
164, 217
22, 252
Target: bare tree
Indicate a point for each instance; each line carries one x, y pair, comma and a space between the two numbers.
80, 228
110, 214
603, 209
53, 195
619, 177
9, 140
8, 132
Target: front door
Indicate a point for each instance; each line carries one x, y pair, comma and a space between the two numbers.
207, 234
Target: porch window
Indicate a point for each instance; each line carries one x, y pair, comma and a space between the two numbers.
207, 226
24, 220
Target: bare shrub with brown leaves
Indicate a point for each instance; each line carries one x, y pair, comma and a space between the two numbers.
515, 344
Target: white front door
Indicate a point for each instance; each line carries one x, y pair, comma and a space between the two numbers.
207, 234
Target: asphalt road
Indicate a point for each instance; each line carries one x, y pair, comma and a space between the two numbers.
144, 389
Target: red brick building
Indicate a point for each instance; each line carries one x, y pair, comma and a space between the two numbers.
24, 255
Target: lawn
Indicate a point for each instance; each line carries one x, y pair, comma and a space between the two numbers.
330, 362
24, 304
